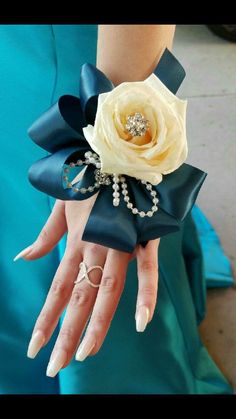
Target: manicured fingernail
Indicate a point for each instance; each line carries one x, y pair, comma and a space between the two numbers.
23, 253
56, 363
35, 344
84, 349
142, 317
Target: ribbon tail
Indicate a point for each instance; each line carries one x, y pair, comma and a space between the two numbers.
170, 71
110, 226
179, 190
92, 83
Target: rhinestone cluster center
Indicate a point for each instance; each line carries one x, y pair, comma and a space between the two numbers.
136, 125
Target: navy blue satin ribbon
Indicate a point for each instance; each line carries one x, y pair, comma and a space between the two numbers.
59, 131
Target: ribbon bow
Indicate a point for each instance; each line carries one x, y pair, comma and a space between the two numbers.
59, 131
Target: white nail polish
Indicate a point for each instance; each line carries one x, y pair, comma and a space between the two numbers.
142, 317
23, 253
35, 344
56, 363
84, 349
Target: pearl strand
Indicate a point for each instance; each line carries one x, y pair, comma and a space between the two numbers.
130, 205
104, 179
90, 158
116, 187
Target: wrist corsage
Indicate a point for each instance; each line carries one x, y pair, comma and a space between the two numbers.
130, 141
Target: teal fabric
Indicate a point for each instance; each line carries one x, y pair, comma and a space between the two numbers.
217, 267
38, 63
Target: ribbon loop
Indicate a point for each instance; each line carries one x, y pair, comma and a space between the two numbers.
92, 83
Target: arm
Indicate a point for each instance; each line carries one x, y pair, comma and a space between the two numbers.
131, 52
124, 53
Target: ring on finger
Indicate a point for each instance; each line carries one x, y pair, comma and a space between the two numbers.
85, 271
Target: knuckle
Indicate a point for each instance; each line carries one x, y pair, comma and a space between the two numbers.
59, 288
43, 236
43, 320
148, 265
95, 249
149, 290
80, 297
98, 322
66, 335
110, 283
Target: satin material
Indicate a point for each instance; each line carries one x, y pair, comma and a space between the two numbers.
38, 64
59, 131
217, 266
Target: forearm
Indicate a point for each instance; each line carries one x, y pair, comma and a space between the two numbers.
131, 52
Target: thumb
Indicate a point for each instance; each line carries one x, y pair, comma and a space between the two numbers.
49, 236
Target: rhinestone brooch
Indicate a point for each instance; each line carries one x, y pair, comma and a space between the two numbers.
136, 124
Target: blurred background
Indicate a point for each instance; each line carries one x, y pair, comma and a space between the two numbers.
209, 56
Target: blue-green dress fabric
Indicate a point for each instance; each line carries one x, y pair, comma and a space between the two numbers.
216, 265
38, 63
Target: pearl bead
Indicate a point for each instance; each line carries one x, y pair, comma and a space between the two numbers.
124, 192
75, 189
88, 154
149, 213
79, 162
95, 155
116, 194
126, 198
65, 177
129, 205
98, 165
115, 186
69, 185
153, 193
72, 164
142, 214
155, 200
122, 179
90, 188
149, 187
66, 170
97, 185
116, 202
124, 185
143, 181
92, 160
135, 211
83, 190
154, 208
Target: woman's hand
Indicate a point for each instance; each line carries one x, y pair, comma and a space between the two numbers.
83, 300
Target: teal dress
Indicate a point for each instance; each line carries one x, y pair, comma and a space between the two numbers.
38, 63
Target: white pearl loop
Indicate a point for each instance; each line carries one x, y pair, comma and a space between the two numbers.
93, 158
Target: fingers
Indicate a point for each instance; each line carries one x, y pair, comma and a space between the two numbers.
78, 311
147, 265
108, 296
49, 236
57, 298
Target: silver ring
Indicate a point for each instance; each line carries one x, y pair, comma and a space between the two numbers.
85, 271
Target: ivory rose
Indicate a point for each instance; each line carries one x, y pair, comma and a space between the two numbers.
161, 150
